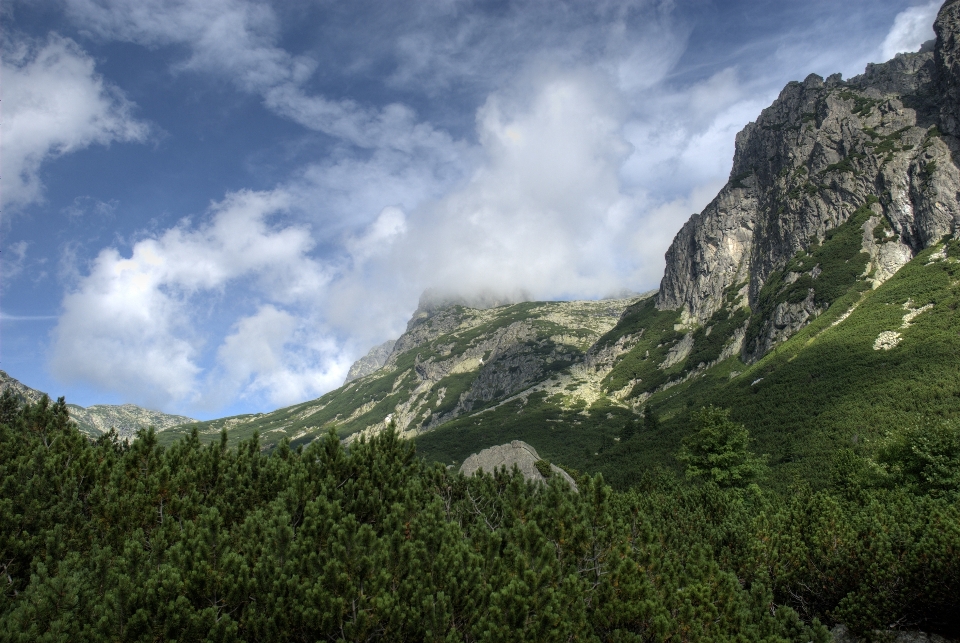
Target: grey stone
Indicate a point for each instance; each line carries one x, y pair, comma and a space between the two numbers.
516, 453
371, 362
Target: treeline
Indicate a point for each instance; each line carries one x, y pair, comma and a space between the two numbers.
103, 541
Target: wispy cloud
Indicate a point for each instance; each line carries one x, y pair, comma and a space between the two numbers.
911, 28
55, 103
23, 318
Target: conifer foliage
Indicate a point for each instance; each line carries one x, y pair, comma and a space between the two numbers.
104, 541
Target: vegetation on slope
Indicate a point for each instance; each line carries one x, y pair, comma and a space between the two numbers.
105, 541
826, 388
540, 339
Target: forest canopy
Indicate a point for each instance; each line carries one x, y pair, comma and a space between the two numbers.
107, 541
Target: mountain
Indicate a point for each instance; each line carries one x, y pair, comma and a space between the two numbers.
95, 420
815, 298
453, 361
371, 362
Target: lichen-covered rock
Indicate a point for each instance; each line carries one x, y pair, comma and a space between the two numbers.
506, 456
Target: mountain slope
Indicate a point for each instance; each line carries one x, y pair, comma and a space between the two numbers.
95, 420
816, 298
874, 362
451, 361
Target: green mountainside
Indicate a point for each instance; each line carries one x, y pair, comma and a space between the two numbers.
801, 360
609, 386
815, 299
452, 362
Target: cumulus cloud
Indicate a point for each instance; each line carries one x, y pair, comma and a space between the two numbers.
911, 28
273, 354
131, 324
55, 103
554, 210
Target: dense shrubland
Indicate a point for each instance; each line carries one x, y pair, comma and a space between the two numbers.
108, 541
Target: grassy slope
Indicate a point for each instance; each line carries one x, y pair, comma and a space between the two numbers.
383, 390
826, 387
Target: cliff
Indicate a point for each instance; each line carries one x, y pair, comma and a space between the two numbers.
886, 139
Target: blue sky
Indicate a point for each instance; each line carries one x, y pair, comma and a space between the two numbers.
214, 206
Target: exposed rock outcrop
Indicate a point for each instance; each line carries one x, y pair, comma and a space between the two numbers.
23, 392
127, 419
371, 362
516, 453
823, 149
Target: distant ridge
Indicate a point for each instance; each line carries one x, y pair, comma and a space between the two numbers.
95, 420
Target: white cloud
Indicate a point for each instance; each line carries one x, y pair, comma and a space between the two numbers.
238, 40
574, 196
131, 324
911, 28
55, 103
12, 260
272, 354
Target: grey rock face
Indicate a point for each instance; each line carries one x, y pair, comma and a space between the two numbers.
810, 160
371, 362
947, 56
787, 319
127, 419
505, 456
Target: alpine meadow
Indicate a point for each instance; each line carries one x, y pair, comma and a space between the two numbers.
765, 448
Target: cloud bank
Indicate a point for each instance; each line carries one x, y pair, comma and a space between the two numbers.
911, 28
131, 324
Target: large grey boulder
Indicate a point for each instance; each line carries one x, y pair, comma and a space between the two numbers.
518, 453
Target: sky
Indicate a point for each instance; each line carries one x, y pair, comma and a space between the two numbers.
213, 207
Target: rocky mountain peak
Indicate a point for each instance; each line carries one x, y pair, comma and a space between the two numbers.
947, 56
824, 149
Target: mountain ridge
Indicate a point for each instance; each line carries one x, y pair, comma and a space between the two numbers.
98, 419
817, 289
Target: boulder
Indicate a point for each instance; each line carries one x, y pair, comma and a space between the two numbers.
518, 453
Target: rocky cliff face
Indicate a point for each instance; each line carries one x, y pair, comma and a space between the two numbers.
371, 362
886, 140
947, 57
